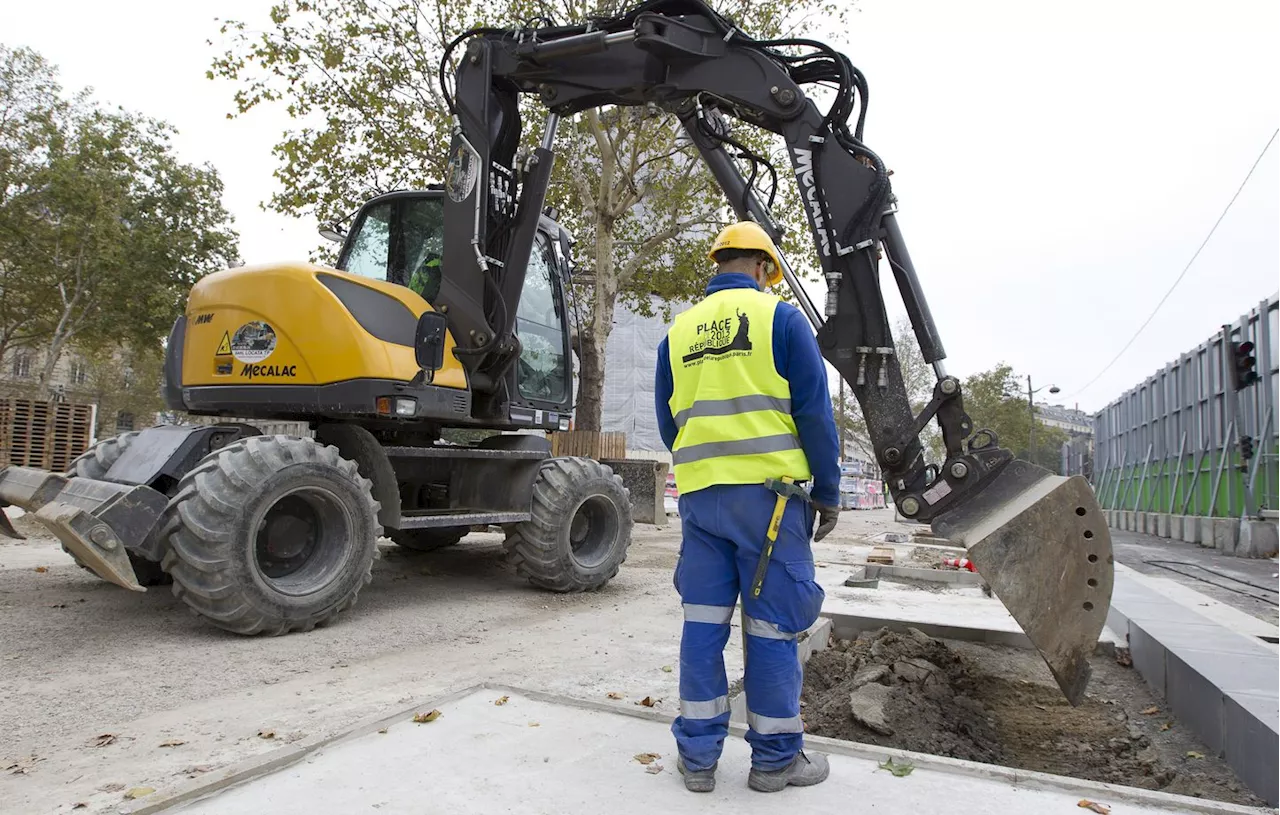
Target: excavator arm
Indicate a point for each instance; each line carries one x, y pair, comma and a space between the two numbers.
1039, 539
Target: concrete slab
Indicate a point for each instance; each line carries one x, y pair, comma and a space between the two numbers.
481, 758
1226, 534
1190, 529
1175, 527
1162, 525
1218, 679
1205, 536
1250, 741
1258, 539
958, 576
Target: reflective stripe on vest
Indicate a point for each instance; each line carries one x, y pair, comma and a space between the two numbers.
731, 408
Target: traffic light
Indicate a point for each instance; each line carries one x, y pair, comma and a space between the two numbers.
1246, 452
1243, 373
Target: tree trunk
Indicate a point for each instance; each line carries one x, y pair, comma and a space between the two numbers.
596, 336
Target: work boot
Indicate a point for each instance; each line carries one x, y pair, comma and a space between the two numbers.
698, 780
803, 771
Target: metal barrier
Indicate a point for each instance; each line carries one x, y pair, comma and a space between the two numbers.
1173, 444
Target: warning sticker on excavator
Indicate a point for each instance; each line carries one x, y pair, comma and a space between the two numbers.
253, 342
224, 347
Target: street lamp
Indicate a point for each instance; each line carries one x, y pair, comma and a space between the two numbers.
1031, 408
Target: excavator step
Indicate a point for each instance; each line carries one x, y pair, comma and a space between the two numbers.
1041, 543
98, 521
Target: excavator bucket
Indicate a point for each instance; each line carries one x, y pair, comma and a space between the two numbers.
96, 520
1042, 544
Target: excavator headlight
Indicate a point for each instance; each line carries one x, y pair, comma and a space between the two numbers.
406, 406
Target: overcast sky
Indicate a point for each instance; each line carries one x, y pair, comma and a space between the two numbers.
1055, 169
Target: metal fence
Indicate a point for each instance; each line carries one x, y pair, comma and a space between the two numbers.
1172, 444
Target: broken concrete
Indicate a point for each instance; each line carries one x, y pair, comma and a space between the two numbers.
916, 669
875, 673
867, 703
1258, 539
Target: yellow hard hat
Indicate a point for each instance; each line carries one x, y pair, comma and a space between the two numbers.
749, 235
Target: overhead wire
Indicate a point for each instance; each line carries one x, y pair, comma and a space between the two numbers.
1185, 269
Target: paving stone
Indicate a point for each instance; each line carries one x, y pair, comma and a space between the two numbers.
1148, 657
1194, 701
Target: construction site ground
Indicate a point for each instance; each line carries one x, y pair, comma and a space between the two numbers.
107, 694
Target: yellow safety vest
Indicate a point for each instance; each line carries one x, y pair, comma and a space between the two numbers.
731, 408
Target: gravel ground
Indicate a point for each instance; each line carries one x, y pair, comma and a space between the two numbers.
81, 660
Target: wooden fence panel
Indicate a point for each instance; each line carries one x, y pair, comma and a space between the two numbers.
589, 443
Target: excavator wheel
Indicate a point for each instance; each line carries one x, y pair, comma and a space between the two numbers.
272, 534
580, 529
94, 463
429, 540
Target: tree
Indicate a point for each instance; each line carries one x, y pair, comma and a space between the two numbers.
361, 80
994, 400
103, 230
917, 376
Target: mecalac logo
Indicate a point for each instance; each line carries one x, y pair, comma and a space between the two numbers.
804, 173
252, 371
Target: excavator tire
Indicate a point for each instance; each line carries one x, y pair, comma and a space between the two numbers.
580, 530
94, 463
429, 540
272, 534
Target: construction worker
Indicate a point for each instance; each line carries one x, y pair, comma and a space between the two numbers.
743, 405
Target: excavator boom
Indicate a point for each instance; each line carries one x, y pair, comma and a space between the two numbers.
1039, 539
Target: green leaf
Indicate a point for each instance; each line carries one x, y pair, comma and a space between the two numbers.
898, 770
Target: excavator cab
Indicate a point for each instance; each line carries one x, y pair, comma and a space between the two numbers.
398, 238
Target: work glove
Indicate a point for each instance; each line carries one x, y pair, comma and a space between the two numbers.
827, 517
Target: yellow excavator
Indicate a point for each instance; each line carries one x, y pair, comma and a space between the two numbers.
448, 308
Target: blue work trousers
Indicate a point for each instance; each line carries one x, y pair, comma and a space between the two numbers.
724, 529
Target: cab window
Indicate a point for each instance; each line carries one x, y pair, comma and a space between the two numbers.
371, 245
539, 326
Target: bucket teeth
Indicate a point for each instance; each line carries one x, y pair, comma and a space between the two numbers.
1041, 543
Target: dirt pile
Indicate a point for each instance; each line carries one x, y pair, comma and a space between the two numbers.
901, 690
999, 705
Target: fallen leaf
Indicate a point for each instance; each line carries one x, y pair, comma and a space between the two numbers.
648, 701
172, 743
104, 740
139, 792
653, 769
1166, 726
266, 734
42, 569
383, 730
1101, 809
1194, 754
534, 724
898, 770
666, 668
423, 718
647, 758
1151, 711
615, 695
502, 701
80, 805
